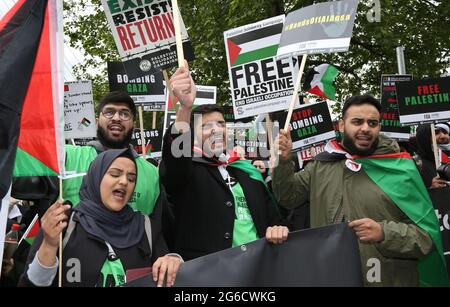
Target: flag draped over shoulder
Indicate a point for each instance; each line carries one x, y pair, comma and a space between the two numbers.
387, 171
247, 167
31, 91
320, 81
411, 196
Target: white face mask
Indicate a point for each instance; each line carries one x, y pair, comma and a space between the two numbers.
445, 147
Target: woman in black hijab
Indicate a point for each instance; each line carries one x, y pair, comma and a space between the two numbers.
425, 160
105, 237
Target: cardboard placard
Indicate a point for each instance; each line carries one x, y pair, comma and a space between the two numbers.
390, 122
310, 124
260, 82
147, 90
423, 101
320, 28
79, 114
144, 34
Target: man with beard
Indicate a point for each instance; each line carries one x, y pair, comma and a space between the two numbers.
115, 122
367, 182
219, 201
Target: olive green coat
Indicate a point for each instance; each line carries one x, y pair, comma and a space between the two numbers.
337, 194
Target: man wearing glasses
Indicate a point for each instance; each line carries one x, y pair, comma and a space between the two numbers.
115, 122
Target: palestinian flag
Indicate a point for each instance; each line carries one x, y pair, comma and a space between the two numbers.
387, 171
205, 95
32, 231
320, 81
85, 122
260, 41
31, 90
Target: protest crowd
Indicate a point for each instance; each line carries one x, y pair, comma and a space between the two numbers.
270, 191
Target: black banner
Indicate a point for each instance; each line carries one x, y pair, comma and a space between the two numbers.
147, 90
310, 124
441, 202
390, 122
153, 141
423, 101
325, 256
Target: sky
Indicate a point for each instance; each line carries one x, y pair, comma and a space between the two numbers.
72, 56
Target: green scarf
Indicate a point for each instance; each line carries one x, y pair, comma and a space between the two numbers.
248, 168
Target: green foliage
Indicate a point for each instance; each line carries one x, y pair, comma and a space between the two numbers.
422, 26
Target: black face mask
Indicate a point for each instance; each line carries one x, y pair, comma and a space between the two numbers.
113, 144
352, 149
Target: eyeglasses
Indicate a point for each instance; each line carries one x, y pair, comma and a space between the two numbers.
123, 114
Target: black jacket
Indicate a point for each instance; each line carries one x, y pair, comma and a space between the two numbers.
203, 204
92, 252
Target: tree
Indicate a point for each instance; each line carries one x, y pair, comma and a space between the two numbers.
422, 26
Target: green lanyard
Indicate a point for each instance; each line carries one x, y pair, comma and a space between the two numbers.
112, 273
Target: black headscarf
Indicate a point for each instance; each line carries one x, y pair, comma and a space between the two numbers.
121, 229
425, 151
424, 142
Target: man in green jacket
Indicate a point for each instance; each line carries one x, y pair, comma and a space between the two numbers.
115, 121
366, 181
